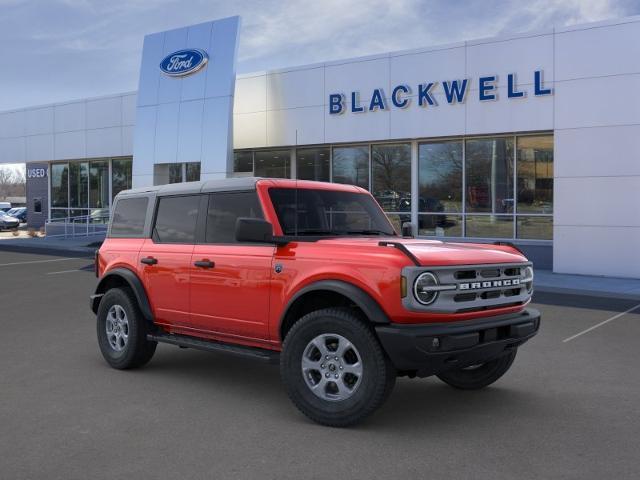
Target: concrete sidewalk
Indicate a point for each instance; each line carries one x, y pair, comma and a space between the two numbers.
54, 246
623, 288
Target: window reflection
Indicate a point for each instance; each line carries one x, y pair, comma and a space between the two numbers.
78, 184
312, 164
485, 209
351, 165
243, 161
440, 187
441, 225
391, 171
99, 184
489, 175
120, 175
272, 163
489, 226
535, 174
60, 185
193, 171
535, 227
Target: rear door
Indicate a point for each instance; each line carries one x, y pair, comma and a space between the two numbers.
165, 258
229, 280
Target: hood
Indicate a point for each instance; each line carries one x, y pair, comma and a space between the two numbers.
438, 253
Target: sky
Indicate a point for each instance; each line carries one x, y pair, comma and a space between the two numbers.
58, 50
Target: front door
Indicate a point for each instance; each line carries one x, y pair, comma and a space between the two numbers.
165, 259
230, 281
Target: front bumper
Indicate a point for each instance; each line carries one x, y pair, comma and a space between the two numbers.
431, 349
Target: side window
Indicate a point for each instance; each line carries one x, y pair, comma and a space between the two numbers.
224, 210
176, 219
129, 216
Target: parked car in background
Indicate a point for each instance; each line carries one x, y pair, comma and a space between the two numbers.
20, 213
7, 222
5, 206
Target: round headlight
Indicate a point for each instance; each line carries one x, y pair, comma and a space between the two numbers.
527, 278
423, 288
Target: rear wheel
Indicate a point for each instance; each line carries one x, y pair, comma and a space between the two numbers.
334, 368
122, 331
479, 376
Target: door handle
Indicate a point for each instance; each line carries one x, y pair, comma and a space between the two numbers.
204, 264
149, 261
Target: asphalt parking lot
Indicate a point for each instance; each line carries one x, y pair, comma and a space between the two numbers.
567, 409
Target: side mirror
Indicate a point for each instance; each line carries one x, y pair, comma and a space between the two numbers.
253, 230
407, 229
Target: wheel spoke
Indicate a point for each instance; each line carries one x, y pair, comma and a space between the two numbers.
343, 346
308, 364
321, 386
355, 369
320, 344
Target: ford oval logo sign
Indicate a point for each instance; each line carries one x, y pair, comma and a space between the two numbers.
184, 62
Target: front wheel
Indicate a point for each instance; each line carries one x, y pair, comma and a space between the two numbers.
479, 376
334, 368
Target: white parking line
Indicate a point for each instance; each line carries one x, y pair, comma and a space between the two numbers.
37, 261
65, 271
600, 324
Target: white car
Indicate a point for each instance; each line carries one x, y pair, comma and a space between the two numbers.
8, 222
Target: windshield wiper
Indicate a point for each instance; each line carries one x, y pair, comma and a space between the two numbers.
368, 232
311, 231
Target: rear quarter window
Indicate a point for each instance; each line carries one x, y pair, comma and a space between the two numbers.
129, 217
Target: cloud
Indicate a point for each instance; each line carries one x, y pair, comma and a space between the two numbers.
79, 48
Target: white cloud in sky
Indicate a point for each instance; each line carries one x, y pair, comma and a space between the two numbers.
77, 48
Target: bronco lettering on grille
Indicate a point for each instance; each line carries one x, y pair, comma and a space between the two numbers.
489, 284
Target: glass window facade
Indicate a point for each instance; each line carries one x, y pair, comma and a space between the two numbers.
391, 181
489, 175
60, 185
313, 164
494, 187
440, 188
192, 171
120, 175
272, 163
243, 162
351, 165
99, 184
88, 187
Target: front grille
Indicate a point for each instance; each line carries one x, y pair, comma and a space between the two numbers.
472, 288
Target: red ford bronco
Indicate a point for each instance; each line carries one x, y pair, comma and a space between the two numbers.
314, 276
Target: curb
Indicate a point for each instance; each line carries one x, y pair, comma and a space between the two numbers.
49, 250
587, 293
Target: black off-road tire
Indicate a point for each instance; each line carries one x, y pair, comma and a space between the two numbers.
378, 374
477, 377
138, 350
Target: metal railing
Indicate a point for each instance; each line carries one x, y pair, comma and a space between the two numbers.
80, 226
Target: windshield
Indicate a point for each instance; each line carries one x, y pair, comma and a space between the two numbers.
328, 212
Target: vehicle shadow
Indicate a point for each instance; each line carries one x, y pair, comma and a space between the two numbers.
422, 406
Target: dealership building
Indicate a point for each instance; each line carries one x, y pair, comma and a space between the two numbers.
531, 138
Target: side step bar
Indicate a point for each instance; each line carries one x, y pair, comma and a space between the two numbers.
186, 341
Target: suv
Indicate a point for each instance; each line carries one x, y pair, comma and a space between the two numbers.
313, 276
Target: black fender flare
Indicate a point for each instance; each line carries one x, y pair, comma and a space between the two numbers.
362, 299
133, 282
